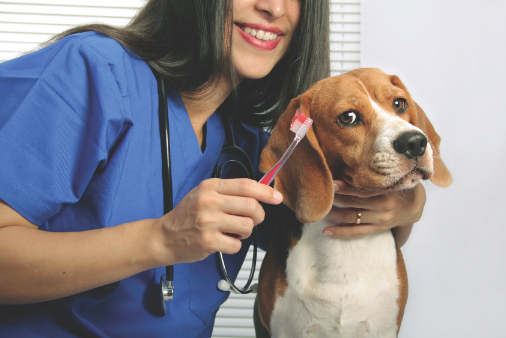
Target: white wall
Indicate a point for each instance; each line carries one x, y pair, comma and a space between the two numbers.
451, 54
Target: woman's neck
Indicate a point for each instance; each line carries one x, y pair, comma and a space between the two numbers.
201, 106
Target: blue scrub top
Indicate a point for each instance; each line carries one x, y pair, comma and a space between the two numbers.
80, 150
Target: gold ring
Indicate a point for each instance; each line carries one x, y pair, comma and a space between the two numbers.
359, 216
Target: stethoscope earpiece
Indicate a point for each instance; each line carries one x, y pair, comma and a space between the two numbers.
223, 285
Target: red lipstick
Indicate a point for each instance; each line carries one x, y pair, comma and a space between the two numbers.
259, 44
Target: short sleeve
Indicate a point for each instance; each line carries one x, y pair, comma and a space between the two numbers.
61, 111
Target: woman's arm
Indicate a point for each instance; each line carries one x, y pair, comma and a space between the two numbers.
38, 265
402, 233
398, 210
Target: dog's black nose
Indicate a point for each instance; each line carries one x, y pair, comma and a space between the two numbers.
412, 144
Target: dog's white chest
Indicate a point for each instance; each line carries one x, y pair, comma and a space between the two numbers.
339, 288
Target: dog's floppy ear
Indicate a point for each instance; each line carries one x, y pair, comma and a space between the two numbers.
442, 176
305, 180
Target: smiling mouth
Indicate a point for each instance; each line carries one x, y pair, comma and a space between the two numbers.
259, 34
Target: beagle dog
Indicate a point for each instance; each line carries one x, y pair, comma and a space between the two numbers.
369, 132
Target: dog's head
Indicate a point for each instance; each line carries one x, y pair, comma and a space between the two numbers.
367, 131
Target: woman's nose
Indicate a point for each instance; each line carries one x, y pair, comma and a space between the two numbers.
274, 8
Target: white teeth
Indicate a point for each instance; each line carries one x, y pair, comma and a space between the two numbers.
260, 34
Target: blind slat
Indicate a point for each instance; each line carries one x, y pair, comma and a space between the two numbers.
69, 10
24, 38
71, 20
71, 3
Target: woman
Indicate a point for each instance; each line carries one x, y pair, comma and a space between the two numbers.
79, 133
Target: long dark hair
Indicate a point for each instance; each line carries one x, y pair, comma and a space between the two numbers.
189, 44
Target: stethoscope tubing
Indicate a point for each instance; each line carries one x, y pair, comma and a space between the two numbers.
167, 289
246, 289
166, 165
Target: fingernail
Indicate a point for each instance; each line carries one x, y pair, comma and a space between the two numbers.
278, 196
328, 233
336, 188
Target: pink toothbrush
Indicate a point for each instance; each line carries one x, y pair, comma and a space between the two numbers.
300, 125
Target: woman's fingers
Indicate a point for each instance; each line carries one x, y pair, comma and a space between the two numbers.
241, 198
352, 231
246, 188
370, 222
214, 217
343, 188
349, 216
227, 244
380, 203
243, 206
377, 212
346, 215
237, 226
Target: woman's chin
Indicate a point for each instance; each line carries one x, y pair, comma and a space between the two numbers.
253, 73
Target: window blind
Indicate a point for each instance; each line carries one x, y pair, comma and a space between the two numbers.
344, 36
26, 23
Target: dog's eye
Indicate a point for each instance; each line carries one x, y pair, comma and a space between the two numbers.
348, 117
400, 105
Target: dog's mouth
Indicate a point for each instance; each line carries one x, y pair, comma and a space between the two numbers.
409, 180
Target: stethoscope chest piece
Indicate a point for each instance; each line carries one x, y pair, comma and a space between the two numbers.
166, 292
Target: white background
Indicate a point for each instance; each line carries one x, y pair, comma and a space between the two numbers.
451, 55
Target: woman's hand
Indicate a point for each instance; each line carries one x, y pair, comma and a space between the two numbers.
379, 212
213, 217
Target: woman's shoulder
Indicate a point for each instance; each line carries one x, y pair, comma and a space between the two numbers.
90, 49
78, 67
104, 47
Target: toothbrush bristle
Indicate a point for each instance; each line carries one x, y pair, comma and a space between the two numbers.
304, 128
300, 123
297, 120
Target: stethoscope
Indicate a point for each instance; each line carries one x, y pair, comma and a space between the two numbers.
166, 287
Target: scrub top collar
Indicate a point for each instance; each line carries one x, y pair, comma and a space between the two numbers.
189, 164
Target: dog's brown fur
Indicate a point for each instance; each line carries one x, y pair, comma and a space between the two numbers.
329, 152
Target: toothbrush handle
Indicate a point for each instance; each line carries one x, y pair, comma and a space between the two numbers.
269, 176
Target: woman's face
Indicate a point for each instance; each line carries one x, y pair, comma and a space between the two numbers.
261, 34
